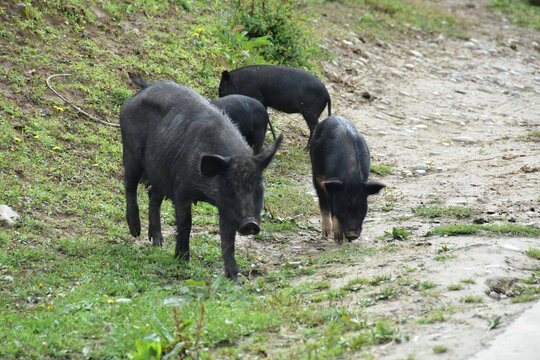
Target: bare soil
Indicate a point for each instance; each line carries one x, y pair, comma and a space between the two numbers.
465, 111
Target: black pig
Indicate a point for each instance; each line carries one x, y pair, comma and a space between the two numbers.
283, 88
249, 115
187, 150
340, 165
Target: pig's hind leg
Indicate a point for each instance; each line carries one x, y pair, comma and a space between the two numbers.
154, 214
132, 176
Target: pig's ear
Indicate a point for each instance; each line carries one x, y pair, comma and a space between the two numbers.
212, 165
265, 157
332, 184
225, 75
372, 187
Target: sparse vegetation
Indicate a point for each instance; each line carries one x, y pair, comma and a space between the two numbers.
506, 229
442, 211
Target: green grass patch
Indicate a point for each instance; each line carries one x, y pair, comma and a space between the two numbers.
454, 287
472, 299
381, 169
504, 230
534, 253
444, 211
519, 12
440, 349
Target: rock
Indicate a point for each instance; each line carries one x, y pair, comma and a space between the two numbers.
8, 217
504, 285
409, 66
419, 172
420, 167
464, 139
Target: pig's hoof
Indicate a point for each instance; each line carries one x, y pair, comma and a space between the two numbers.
135, 228
338, 239
157, 240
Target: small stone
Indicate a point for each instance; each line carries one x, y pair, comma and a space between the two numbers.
409, 66
420, 167
8, 217
419, 172
464, 139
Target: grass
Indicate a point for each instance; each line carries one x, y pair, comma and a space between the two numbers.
505, 229
440, 349
472, 299
381, 169
519, 12
442, 211
534, 253
393, 18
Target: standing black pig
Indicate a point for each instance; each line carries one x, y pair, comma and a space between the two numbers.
249, 115
283, 88
340, 164
189, 151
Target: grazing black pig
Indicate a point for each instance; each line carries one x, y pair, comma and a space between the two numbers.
249, 115
187, 150
283, 88
340, 165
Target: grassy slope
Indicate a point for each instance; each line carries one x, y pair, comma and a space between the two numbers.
64, 269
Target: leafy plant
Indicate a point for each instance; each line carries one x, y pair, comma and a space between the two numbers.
279, 22
240, 50
397, 234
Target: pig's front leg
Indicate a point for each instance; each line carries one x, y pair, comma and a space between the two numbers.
183, 230
228, 232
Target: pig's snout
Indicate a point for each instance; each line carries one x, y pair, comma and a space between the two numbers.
352, 234
249, 226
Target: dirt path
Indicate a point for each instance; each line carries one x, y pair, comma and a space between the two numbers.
463, 113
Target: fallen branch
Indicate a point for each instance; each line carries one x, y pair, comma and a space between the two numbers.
92, 117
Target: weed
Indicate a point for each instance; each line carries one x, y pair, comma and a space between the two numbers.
440, 349
396, 234
454, 287
468, 281
472, 299
427, 285
445, 257
493, 322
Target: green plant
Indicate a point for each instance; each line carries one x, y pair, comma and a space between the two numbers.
240, 50
493, 322
396, 234
279, 22
381, 169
